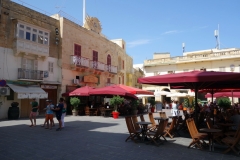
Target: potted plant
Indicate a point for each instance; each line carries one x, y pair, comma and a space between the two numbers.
115, 101
134, 105
152, 102
224, 103
75, 102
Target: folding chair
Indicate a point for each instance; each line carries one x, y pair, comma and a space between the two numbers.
169, 130
132, 132
196, 136
233, 142
155, 136
163, 114
154, 125
142, 118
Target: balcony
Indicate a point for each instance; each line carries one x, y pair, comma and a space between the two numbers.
78, 61
111, 69
28, 74
194, 58
109, 84
97, 65
30, 47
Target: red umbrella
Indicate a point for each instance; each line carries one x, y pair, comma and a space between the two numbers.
195, 80
112, 90
135, 90
223, 94
83, 91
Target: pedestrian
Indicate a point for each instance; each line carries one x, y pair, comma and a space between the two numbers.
49, 114
63, 112
58, 111
33, 113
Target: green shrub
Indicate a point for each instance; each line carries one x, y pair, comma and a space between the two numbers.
224, 103
115, 101
75, 102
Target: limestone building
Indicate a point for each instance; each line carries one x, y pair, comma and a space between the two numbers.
226, 60
29, 54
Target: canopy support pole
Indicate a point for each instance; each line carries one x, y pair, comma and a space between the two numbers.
210, 106
196, 105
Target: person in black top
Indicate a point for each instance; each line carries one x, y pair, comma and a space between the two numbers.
58, 111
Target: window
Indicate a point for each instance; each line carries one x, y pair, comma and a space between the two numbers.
95, 56
29, 64
108, 60
123, 64
119, 80
77, 50
222, 69
50, 67
122, 79
108, 80
32, 34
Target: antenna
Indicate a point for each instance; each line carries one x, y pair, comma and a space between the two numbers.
216, 34
84, 11
183, 47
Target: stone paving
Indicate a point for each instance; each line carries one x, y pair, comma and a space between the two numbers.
91, 137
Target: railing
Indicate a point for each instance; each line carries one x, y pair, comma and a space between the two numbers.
109, 84
197, 57
97, 65
79, 61
110, 68
30, 74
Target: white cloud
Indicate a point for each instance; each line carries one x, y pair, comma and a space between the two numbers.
138, 42
171, 32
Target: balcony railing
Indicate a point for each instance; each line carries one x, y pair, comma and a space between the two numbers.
97, 65
30, 74
197, 57
110, 68
109, 84
79, 61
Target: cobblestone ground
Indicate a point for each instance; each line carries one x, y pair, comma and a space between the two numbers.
91, 137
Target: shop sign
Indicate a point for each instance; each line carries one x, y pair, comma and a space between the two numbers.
48, 87
90, 79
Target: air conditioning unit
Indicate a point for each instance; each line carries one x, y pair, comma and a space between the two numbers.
4, 91
75, 81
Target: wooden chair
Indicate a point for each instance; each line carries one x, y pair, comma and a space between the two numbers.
142, 118
136, 126
87, 111
154, 125
233, 142
95, 112
232, 133
132, 132
155, 136
176, 127
196, 136
163, 114
217, 136
169, 130
102, 111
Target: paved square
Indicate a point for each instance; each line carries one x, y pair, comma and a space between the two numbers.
91, 137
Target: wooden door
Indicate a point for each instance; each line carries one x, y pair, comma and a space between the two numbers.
25, 108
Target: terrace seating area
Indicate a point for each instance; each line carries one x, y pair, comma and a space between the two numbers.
158, 128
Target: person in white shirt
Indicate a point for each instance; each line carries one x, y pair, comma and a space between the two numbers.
174, 111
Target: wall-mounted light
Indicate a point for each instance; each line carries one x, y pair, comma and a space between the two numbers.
56, 40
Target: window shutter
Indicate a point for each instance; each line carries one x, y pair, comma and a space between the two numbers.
24, 63
35, 63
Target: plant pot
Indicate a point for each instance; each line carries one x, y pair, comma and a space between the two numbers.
115, 115
152, 110
74, 112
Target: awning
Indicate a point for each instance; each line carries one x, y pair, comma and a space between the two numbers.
28, 91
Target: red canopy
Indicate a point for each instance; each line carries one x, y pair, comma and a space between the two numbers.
83, 91
223, 94
112, 90
195, 79
135, 90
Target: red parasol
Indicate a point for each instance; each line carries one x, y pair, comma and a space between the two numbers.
83, 91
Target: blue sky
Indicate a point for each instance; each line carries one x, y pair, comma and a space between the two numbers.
153, 26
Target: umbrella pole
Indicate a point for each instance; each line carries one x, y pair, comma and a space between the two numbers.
196, 103
210, 106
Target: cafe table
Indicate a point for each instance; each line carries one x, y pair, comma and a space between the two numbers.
210, 132
144, 129
225, 126
108, 111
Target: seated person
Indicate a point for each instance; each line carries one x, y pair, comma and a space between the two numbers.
235, 118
